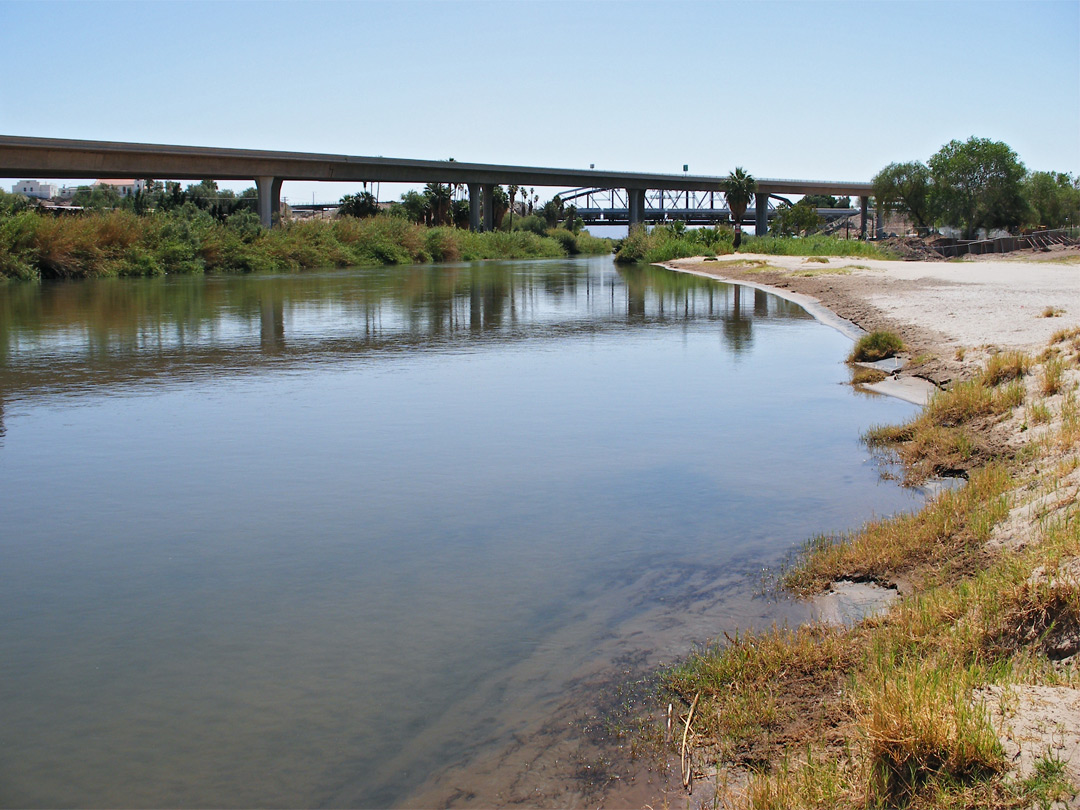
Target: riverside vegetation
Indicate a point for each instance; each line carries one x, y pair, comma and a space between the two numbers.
909, 708
190, 240
676, 241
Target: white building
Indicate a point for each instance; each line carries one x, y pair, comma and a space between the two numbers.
125, 188
34, 188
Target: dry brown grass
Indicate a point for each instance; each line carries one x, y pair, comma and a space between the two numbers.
1005, 366
1053, 376
910, 545
884, 714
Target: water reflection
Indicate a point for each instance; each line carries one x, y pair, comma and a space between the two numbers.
68, 338
311, 540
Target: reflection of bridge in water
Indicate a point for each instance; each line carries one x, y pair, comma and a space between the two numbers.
92, 338
611, 206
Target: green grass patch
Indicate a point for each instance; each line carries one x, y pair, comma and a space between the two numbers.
876, 346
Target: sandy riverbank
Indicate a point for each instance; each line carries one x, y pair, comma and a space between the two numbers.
953, 316
937, 307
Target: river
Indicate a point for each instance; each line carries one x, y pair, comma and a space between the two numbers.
399, 536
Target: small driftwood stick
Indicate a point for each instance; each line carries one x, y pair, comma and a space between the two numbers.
687, 776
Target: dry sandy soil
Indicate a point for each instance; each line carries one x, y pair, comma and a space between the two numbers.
951, 315
937, 307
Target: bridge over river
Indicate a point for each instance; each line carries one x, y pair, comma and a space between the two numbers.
55, 158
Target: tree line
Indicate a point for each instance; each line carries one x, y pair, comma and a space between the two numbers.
169, 196
978, 184
443, 204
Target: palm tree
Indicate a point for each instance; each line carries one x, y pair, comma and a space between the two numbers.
739, 189
440, 197
514, 188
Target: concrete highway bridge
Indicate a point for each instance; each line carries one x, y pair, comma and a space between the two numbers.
55, 158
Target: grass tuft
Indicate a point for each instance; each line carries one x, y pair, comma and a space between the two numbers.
1005, 366
876, 346
1053, 376
860, 375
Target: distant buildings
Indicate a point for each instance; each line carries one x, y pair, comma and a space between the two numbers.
34, 188
48, 191
125, 188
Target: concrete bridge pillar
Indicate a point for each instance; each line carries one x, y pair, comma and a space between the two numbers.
879, 229
269, 199
761, 222
863, 201
635, 200
474, 206
489, 206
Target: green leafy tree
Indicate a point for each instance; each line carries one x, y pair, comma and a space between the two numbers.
97, 197
248, 200
796, 220
552, 211
820, 201
977, 184
361, 205
905, 187
11, 204
204, 193
1053, 199
573, 223
417, 206
459, 211
739, 190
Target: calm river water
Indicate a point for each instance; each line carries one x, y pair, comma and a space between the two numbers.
390, 537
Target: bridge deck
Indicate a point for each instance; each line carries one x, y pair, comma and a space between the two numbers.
62, 158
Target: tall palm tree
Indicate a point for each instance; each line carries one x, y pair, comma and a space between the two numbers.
514, 188
739, 189
440, 197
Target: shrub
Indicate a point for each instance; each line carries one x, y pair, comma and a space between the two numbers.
532, 223
567, 239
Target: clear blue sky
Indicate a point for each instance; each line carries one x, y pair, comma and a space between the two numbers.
818, 90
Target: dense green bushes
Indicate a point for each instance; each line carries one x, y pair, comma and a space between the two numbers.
189, 240
674, 241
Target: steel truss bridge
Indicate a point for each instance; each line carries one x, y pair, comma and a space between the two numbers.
611, 206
